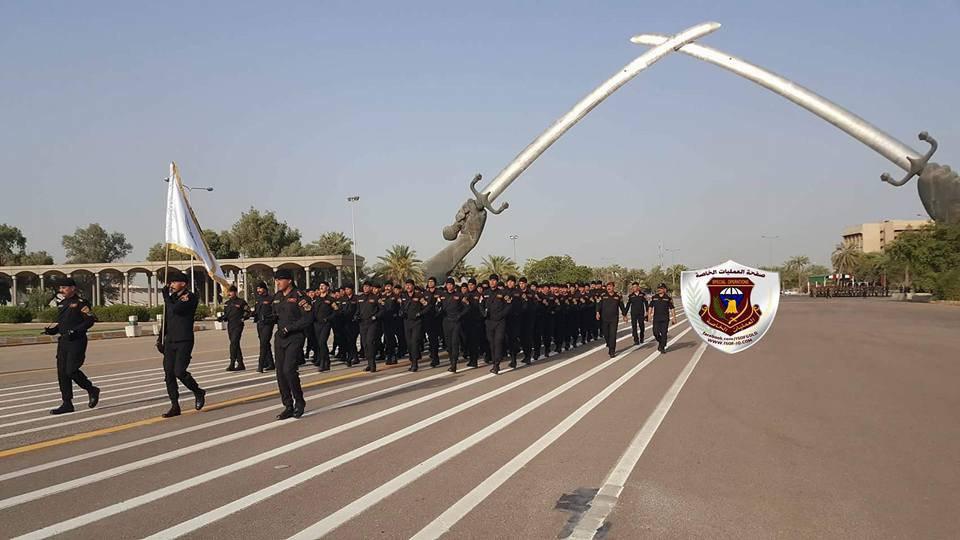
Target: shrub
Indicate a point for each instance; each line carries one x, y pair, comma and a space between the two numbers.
15, 314
120, 313
203, 311
47, 315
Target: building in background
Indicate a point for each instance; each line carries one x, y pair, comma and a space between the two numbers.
875, 237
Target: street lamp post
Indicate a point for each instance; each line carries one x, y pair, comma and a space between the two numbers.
193, 287
353, 224
771, 239
514, 238
673, 270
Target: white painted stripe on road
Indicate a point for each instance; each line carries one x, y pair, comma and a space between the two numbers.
125, 385
223, 511
606, 499
355, 508
111, 377
180, 452
445, 521
199, 427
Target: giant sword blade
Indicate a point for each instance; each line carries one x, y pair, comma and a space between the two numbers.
468, 224
938, 185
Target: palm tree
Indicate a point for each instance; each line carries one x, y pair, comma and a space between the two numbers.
675, 271
463, 269
845, 258
399, 264
330, 243
496, 264
797, 263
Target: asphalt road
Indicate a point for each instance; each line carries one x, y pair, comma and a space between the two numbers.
841, 422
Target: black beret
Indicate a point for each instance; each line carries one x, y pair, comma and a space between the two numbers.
67, 282
433, 279
176, 275
388, 282
511, 278
323, 282
283, 273
523, 279
662, 286
451, 280
494, 276
410, 281
262, 285
367, 283
472, 280
233, 288
347, 286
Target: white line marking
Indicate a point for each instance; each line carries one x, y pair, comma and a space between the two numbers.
350, 511
606, 499
146, 498
445, 521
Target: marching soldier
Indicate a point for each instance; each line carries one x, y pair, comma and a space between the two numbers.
413, 305
311, 337
473, 324
348, 324
609, 307
235, 311
636, 306
495, 307
74, 318
660, 311
325, 309
513, 321
294, 320
368, 311
389, 313
528, 319
176, 343
431, 322
453, 308
266, 320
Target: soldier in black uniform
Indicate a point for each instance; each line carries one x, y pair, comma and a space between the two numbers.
176, 342
453, 306
513, 321
431, 322
310, 336
472, 325
528, 318
636, 306
348, 324
74, 318
235, 311
368, 312
294, 320
495, 307
389, 319
413, 305
609, 308
325, 309
660, 311
266, 320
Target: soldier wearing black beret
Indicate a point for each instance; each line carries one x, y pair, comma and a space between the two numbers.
74, 318
176, 341
294, 318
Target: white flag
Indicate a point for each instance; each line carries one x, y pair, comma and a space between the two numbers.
183, 232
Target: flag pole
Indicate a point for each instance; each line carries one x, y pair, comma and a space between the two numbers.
163, 318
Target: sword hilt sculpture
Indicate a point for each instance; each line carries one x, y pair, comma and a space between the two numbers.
938, 187
483, 199
465, 231
916, 164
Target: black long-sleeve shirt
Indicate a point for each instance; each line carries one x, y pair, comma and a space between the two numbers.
178, 312
74, 317
294, 313
453, 305
368, 307
636, 305
609, 306
495, 304
263, 310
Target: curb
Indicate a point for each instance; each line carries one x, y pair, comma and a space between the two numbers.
16, 341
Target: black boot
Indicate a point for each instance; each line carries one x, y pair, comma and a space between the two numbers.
174, 411
284, 414
298, 410
94, 397
66, 407
199, 399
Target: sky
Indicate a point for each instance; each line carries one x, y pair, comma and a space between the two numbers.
294, 106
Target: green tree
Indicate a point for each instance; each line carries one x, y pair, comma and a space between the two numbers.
674, 272
158, 252
656, 276
399, 264
845, 258
496, 264
35, 258
330, 243
12, 244
871, 267
258, 234
463, 270
220, 244
797, 265
93, 244
556, 269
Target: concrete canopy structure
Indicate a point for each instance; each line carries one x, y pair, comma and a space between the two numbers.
308, 271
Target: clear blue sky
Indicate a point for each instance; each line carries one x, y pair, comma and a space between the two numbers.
293, 106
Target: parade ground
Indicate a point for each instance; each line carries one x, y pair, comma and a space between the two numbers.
840, 423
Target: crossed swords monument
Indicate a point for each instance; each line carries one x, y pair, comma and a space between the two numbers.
938, 185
